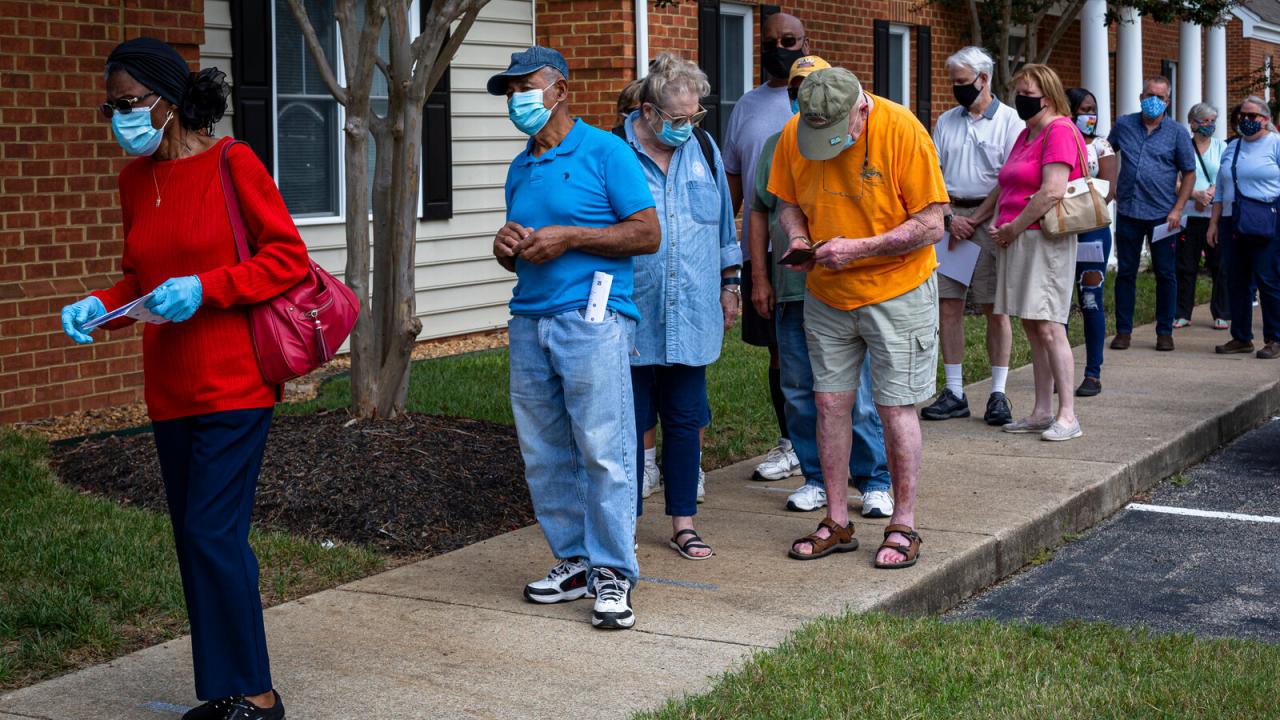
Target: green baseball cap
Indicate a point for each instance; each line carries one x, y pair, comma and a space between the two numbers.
826, 98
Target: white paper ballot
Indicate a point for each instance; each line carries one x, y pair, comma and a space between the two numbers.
598, 300
957, 264
1090, 252
136, 310
1162, 231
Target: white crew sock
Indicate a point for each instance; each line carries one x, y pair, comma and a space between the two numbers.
998, 376
651, 457
955, 378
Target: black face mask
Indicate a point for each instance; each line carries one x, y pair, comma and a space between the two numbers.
1027, 106
966, 95
777, 61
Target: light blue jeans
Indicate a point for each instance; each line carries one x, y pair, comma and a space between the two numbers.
571, 397
867, 463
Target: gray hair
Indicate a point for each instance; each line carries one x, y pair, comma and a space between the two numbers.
668, 74
1201, 111
974, 58
552, 75
1258, 103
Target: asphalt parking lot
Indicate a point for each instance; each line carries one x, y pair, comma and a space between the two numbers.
1199, 553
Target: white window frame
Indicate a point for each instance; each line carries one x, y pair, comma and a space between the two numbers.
339, 69
747, 13
904, 61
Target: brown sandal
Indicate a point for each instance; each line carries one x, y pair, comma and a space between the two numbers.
912, 550
840, 540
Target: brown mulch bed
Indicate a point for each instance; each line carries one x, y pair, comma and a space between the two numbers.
414, 486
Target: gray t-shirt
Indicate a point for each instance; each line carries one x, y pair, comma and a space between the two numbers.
759, 114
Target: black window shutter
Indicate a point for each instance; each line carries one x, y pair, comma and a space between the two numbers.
924, 76
709, 61
252, 59
880, 57
765, 12
437, 146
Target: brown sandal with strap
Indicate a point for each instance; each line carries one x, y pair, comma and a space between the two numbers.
841, 539
911, 550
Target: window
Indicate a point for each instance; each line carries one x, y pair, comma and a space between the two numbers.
1169, 69
899, 89
735, 59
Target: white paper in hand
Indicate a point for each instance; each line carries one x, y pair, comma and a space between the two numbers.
136, 310
1162, 231
598, 300
957, 264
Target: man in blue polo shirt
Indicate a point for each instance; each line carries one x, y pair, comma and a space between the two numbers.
578, 206
1157, 175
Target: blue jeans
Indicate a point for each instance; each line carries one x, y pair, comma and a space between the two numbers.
1092, 305
1130, 234
571, 398
1251, 259
867, 464
210, 467
677, 395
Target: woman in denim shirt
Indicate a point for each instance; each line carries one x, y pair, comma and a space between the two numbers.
687, 292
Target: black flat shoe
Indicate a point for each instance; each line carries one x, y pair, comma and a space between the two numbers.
1089, 387
212, 710
999, 410
947, 406
242, 709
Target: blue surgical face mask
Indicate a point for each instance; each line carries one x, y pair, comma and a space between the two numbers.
135, 133
674, 137
528, 112
1207, 129
795, 106
1153, 107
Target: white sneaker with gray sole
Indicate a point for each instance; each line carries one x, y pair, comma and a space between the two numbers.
877, 504
781, 462
807, 498
1058, 432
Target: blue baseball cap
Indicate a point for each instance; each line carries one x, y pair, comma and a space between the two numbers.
525, 62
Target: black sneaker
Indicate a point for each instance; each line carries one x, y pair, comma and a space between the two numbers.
242, 709
613, 601
947, 406
212, 710
566, 581
1089, 387
999, 410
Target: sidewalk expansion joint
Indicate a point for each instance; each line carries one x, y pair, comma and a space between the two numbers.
15, 713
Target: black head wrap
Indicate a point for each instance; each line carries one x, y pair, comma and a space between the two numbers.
153, 63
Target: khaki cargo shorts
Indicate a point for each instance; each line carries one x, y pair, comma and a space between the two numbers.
983, 282
900, 334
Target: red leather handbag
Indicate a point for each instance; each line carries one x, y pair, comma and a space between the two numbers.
300, 329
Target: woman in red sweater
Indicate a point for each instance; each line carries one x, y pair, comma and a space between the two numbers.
209, 405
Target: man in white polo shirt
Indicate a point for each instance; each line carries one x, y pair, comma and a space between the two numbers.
973, 140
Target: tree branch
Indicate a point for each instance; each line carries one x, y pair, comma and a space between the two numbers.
975, 23
317, 53
451, 48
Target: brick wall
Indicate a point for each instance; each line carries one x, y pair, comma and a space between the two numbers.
59, 222
1245, 59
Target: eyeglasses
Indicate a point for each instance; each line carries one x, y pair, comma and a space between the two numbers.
790, 42
1252, 116
122, 105
679, 121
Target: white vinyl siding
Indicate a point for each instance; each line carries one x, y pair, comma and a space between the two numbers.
460, 288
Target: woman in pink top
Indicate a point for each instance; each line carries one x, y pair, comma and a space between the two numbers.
1035, 269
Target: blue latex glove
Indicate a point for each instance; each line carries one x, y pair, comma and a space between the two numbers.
75, 315
177, 299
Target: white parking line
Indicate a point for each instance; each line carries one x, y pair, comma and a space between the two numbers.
766, 488
1202, 513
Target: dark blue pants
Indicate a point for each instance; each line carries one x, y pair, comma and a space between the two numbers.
210, 465
1130, 235
1251, 259
680, 394
1092, 306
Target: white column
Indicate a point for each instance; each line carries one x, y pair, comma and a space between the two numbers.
642, 38
1095, 64
1215, 75
1189, 92
1128, 61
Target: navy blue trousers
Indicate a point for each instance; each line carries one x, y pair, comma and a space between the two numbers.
210, 465
679, 393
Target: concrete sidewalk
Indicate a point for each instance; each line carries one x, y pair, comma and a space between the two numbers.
451, 637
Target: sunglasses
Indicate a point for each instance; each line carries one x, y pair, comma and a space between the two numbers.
1252, 116
679, 121
789, 42
122, 105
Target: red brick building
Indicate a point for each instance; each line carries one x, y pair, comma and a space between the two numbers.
59, 223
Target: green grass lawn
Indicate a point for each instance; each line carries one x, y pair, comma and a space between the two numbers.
476, 385
85, 579
878, 666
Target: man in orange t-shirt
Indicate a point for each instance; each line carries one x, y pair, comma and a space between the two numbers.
861, 198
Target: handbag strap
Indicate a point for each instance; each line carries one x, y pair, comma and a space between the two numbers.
1200, 157
232, 199
1084, 162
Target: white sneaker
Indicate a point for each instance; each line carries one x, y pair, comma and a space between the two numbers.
781, 462
566, 581
877, 504
613, 601
702, 486
806, 498
652, 480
